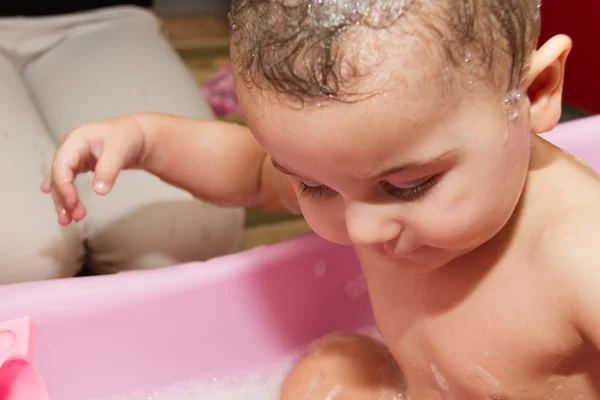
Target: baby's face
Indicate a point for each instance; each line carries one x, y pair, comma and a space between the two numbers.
419, 173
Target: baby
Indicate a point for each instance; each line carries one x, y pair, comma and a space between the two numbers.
409, 131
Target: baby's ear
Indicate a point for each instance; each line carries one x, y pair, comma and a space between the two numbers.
544, 83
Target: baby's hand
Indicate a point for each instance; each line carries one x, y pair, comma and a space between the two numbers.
104, 147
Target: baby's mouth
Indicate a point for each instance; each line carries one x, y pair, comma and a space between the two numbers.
400, 249
405, 246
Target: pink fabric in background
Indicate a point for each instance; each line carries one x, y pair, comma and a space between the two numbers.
220, 93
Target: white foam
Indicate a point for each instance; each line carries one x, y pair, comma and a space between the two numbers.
259, 384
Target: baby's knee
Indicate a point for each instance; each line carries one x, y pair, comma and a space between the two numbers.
46, 251
164, 234
346, 365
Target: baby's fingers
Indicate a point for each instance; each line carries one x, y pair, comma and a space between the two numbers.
67, 213
46, 185
110, 163
79, 212
66, 165
64, 216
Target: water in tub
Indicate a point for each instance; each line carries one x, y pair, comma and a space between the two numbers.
260, 384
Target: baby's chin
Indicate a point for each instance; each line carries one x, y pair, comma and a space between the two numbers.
422, 260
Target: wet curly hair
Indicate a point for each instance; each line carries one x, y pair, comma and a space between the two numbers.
296, 47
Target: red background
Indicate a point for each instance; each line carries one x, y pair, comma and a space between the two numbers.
580, 19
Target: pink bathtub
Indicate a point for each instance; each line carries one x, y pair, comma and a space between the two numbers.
102, 336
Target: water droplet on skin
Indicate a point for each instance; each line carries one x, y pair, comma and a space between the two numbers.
319, 104
439, 378
446, 73
333, 393
477, 372
558, 389
468, 56
361, 7
512, 104
313, 385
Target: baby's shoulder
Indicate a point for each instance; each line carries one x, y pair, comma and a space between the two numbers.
569, 247
565, 211
568, 265
572, 231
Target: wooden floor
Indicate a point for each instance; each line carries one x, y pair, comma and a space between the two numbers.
202, 42
196, 29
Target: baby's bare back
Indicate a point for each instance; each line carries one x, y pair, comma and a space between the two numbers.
498, 323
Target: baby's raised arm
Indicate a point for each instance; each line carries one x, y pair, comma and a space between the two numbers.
217, 161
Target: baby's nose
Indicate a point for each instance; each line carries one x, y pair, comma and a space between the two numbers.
371, 224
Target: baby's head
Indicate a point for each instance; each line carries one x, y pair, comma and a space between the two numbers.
345, 366
404, 124
320, 49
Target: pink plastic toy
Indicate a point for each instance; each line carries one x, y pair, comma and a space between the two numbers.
19, 379
107, 335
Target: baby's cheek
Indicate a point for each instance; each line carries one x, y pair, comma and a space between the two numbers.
462, 226
326, 217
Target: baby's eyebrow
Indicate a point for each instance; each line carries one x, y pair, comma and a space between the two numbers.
279, 167
286, 171
283, 169
409, 165
401, 168
387, 172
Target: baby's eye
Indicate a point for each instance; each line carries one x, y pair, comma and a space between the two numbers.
410, 191
312, 189
311, 184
